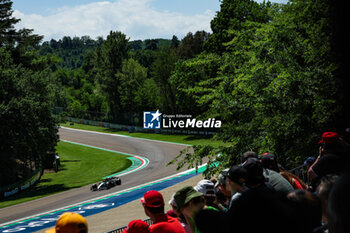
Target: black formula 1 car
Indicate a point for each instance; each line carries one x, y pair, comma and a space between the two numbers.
107, 183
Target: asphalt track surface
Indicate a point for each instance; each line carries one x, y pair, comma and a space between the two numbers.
158, 153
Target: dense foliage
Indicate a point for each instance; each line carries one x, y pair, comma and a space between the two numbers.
110, 79
275, 84
273, 73
28, 130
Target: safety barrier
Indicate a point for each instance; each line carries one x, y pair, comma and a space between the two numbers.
20, 186
136, 128
301, 172
121, 229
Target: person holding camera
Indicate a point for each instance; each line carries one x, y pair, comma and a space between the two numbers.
333, 158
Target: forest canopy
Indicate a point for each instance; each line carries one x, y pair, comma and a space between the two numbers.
274, 73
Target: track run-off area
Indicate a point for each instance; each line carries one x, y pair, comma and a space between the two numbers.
149, 170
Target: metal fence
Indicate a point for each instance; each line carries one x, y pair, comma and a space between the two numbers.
121, 229
301, 172
137, 128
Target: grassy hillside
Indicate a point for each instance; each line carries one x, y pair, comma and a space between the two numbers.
80, 166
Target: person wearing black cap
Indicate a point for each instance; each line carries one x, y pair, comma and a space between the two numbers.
235, 181
272, 173
223, 195
221, 183
248, 154
269, 161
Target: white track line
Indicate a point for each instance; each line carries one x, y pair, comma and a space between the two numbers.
125, 136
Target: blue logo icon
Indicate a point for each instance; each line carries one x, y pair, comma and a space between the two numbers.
151, 120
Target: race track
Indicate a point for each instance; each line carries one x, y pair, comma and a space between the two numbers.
158, 153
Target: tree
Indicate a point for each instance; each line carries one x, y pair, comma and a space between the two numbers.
191, 45
145, 58
230, 17
175, 42
132, 77
277, 91
53, 44
147, 95
151, 44
193, 79
136, 45
162, 68
66, 42
7, 29
109, 62
27, 130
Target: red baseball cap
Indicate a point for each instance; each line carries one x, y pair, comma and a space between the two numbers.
152, 198
267, 155
329, 137
136, 226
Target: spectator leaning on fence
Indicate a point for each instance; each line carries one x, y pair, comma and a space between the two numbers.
153, 204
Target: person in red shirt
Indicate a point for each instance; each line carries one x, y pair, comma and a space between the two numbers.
153, 204
136, 226
294, 180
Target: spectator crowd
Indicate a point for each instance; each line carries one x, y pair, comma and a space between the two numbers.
257, 195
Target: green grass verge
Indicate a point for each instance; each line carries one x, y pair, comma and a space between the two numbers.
176, 138
80, 166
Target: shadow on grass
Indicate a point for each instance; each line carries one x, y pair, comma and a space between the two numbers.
62, 167
113, 131
197, 137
